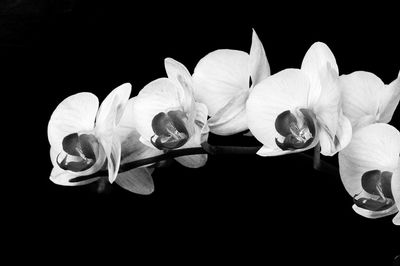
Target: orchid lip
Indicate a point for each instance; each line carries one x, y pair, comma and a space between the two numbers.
378, 185
79, 152
297, 128
170, 130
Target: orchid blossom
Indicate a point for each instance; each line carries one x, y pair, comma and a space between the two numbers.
167, 116
370, 171
84, 138
295, 109
367, 100
222, 80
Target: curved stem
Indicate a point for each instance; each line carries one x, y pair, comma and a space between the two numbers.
317, 157
206, 148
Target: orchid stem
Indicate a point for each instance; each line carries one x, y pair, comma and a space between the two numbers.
317, 157
207, 148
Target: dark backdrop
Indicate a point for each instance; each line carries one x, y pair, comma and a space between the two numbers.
243, 208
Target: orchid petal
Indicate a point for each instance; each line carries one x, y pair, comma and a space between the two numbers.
330, 145
327, 107
137, 180
62, 177
127, 123
374, 214
374, 147
132, 148
200, 136
76, 113
201, 120
219, 76
160, 95
259, 66
266, 151
112, 108
396, 193
390, 97
329, 114
179, 74
197, 160
232, 118
396, 219
285, 90
315, 62
360, 97
53, 155
112, 148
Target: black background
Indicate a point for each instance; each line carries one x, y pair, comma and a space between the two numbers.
236, 208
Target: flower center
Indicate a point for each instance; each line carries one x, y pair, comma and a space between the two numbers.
296, 128
170, 130
378, 185
79, 152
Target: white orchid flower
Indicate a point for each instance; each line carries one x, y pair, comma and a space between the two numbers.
370, 171
82, 138
367, 100
294, 109
167, 116
222, 81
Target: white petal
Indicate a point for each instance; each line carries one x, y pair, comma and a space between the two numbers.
113, 107
112, 148
265, 151
396, 219
192, 161
374, 214
315, 61
330, 145
374, 147
53, 155
219, 76
259, 66
179, 74
200, 136
390, 97
285, 90
201, 120
137, 180
231, 118
127, 123
360, 96
76, 113
396, 193
327, 106
132, 148
61, 177
160, 95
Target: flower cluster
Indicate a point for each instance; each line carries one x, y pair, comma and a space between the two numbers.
230, 92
